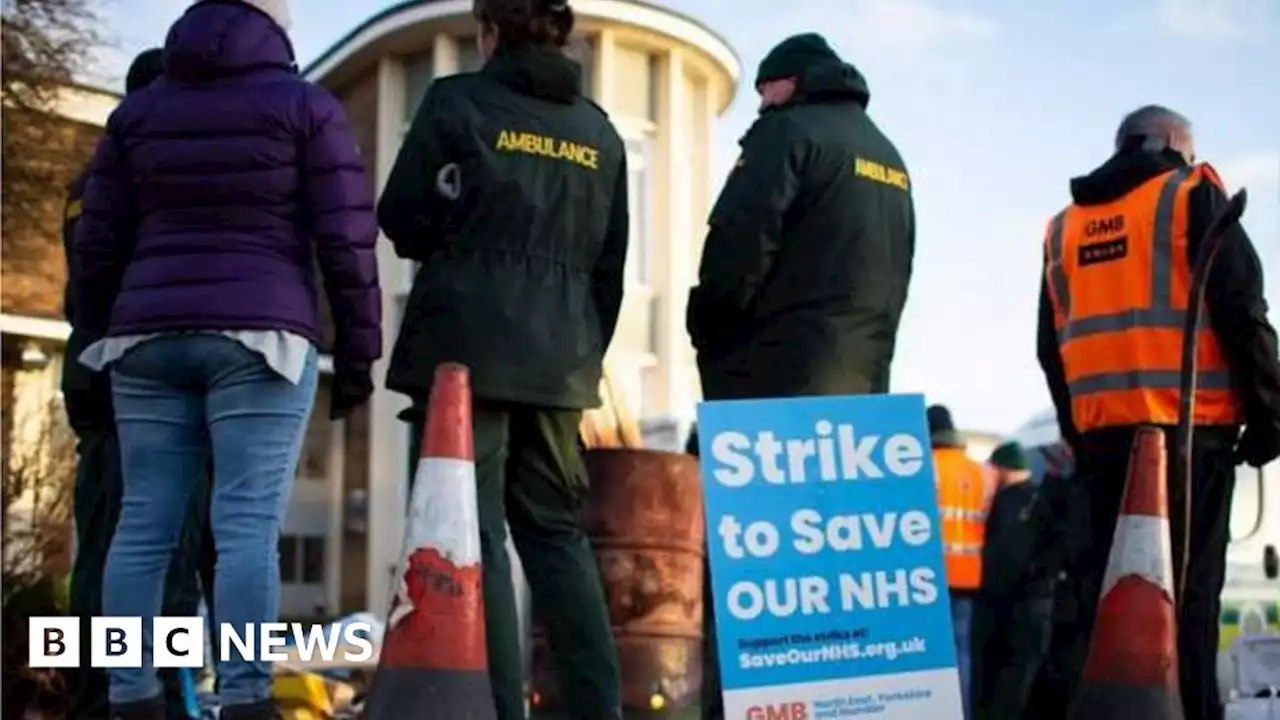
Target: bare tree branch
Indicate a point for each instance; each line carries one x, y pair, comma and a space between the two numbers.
45, 45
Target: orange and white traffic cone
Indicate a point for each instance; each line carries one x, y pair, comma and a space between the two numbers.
1132, 668
433, 662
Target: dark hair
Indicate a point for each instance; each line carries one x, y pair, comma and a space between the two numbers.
527, 22
145, 69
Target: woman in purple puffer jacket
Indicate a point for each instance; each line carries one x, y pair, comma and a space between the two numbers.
211, 197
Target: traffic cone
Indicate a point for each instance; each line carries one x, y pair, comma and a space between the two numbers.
434, 663
1132, 668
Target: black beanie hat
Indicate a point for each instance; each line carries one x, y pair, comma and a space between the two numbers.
939, 419
146, 69
942, 429
791, 57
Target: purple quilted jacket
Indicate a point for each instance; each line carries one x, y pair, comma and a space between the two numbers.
215, 190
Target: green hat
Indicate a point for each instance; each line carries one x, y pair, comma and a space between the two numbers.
1010, 456
793, 56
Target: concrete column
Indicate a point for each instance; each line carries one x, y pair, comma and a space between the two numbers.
603, 77
388, 437
673, 348
444, 55
337, 529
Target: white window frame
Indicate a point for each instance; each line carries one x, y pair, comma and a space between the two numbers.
297, 563
408, 270
294, 574
642, 133
409, 63
1248, 505
469, 43
628, 371
585, 48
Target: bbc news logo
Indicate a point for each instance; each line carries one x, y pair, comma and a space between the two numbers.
178, 642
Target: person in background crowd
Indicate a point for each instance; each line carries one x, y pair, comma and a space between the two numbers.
209, 200
87, 399
962, 504
522, 256
805, 269
1010, 631
1118, 262
1058, 531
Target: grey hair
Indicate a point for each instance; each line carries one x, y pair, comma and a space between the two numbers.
1157, 128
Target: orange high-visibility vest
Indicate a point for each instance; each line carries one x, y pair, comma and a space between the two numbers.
1118, 277
962, 506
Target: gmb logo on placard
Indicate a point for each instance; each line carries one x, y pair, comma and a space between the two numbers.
779, 711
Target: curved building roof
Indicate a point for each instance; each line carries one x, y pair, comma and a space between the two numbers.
405, 15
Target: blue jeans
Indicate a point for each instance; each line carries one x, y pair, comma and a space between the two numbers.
180, 400
962, 625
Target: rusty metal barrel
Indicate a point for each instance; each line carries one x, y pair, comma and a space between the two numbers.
644, 518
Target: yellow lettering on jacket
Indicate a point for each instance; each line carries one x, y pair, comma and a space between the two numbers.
73, 210
525, 143
872, 170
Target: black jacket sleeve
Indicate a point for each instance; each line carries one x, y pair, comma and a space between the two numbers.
1050, 356
103, 237
416, 198
746, 229
340, 205
86, 395
607, 275
70, 219
1237, 310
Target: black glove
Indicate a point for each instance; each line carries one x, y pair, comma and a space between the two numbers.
713, 327
1259, 445
89, 409
86, 394
352, 386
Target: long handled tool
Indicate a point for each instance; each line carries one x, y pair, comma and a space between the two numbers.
1212, 243
611, 425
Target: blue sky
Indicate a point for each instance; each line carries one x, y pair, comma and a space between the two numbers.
994, 104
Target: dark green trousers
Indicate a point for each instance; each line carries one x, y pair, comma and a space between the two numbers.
97, 509
1011, 639
530, 476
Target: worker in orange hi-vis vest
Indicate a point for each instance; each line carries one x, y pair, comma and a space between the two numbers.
1117, 275
963, 495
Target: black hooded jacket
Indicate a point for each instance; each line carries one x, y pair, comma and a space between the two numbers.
804, 274
86, 394
1237, 309
511, 191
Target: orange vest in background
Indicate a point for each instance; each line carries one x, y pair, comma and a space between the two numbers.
962, 506
1118, 277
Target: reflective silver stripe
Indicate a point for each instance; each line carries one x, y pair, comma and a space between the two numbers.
1058, 273
1147, 379
963, 514
962, 549
1161, 313
1162, 317
957, 513
1162, 243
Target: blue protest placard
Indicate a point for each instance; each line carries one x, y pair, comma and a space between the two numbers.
826, 559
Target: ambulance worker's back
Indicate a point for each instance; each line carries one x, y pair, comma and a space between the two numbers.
510, 190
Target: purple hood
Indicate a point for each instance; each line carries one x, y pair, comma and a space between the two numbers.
224, 38
217, 190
